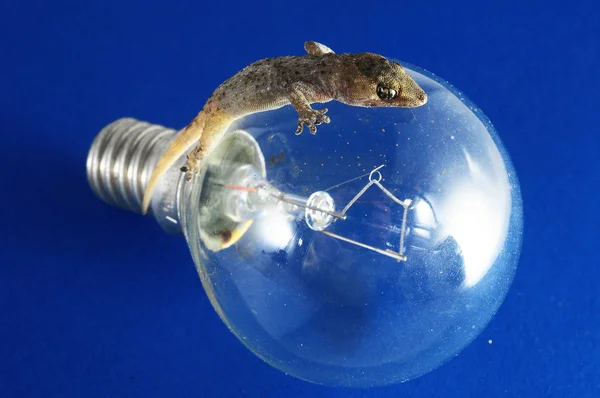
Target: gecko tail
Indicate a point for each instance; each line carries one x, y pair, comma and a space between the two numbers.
180, 145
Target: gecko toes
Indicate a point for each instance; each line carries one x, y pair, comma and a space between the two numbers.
311, 119
320, 116
192, 165
324, 119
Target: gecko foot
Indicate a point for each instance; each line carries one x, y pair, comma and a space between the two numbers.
190, 169
193, 163
312, 118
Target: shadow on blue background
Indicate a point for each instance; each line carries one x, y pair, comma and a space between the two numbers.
97, 302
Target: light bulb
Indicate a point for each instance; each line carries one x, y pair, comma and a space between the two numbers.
368, 254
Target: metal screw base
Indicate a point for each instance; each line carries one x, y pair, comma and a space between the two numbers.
120, 162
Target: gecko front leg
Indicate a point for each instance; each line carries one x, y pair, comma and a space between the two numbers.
307, 115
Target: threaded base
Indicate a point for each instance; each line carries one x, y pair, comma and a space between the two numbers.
121, 160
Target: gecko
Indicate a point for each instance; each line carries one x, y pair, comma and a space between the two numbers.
356, 79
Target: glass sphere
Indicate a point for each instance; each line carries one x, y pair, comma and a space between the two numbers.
409, 276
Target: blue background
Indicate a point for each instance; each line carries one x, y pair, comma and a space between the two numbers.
97, 302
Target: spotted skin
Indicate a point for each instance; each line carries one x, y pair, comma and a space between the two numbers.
362, 79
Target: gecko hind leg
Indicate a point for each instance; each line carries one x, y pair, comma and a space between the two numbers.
193, 162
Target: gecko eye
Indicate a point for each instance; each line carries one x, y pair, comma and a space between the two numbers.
386, 93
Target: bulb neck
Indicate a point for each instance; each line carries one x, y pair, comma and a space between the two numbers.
249, 194
120, 163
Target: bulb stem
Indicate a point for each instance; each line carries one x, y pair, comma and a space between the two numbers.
119, 165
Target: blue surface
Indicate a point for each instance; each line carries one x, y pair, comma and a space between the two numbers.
96, 302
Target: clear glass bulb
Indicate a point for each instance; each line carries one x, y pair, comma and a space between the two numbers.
367, 254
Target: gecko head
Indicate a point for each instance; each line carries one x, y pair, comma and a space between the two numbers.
378, 82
